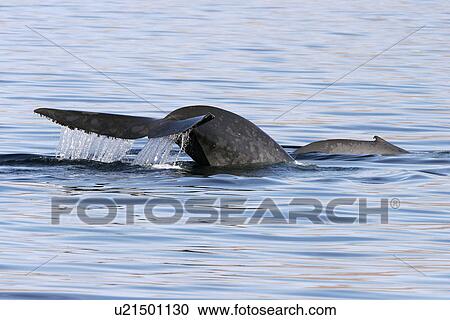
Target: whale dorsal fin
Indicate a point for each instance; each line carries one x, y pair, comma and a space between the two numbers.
122, 126
378, 139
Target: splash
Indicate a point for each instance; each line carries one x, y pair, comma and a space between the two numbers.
76, 144
79, 145
184, 137
157, 151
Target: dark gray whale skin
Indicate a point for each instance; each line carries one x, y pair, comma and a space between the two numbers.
228, 139
353, 147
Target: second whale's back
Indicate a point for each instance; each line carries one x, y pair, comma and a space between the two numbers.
353, 147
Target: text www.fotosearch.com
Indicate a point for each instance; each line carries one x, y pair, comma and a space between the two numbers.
236, 309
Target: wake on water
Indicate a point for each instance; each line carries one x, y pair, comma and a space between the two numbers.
78, 145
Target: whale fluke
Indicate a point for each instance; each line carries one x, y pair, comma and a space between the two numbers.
218, 137
354, 147
122, 126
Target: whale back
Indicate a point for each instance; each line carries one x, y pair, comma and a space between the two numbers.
354, 147
228, 139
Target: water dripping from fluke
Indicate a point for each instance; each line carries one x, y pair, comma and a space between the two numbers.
156, 152
76, 144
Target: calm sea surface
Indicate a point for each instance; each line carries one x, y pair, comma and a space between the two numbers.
258, 59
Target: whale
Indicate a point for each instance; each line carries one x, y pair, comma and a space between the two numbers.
215, 137
378, 146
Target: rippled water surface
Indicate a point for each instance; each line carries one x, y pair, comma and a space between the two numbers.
258, 59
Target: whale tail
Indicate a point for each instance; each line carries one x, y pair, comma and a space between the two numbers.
122, 126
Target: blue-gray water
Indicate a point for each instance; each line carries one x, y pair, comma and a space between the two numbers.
255, 58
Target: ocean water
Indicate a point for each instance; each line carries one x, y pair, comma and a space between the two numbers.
258, 59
